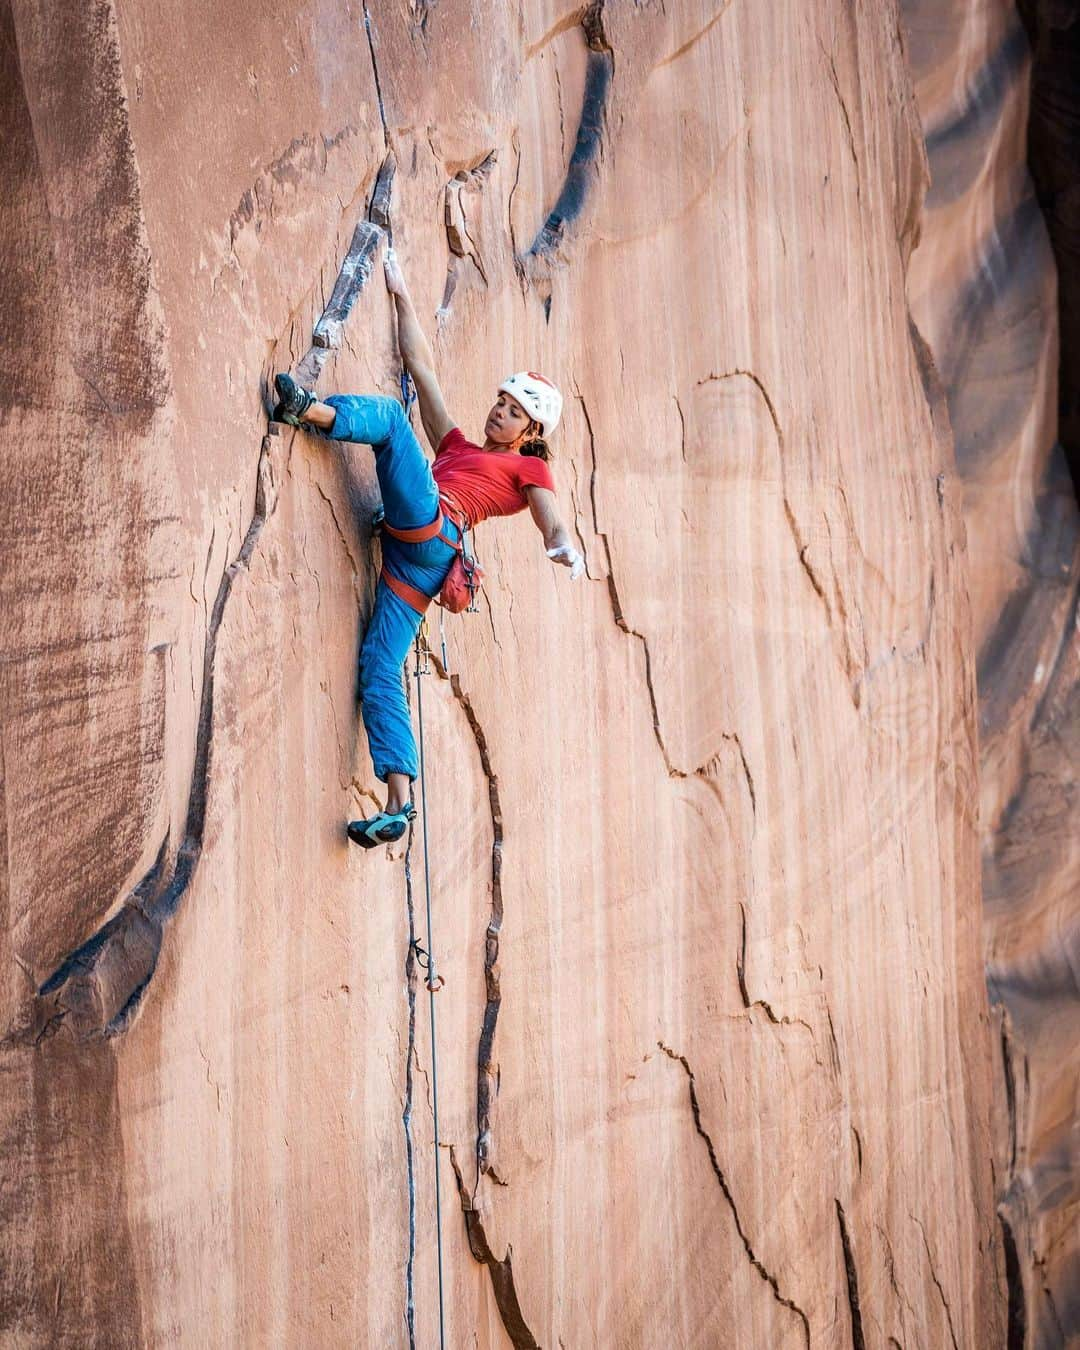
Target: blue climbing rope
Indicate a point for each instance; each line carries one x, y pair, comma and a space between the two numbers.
434, 980
426, 959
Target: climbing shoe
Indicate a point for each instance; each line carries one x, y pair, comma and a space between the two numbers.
383, 828
293, 401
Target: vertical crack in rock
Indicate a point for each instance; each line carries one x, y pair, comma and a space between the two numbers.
98, 988
766, 1275
588, 147
834, 80
460, 242
501, 1272
487, 1073
937, 1282
858, 1340
1017, 1315
801, 547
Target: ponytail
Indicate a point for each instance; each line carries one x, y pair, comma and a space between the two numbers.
537, 447
534, 444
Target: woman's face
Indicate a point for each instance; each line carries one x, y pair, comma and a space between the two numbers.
506, 421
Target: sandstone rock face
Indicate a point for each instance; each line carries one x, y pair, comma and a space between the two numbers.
714, 1048
983, 291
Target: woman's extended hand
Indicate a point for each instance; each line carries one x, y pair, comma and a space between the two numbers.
395, 278
568, 557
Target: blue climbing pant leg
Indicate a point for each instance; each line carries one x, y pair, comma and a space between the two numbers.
410, 498
385, 649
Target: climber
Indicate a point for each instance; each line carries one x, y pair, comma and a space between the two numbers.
467, 483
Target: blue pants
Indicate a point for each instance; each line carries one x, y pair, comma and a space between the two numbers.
410, 499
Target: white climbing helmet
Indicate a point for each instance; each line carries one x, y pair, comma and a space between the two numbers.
538, 396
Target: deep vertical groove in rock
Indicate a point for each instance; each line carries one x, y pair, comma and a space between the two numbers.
765, 1274
501, 1272
858, 1340
1014, 1279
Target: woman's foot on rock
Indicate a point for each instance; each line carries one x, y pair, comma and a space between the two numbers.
293, 400
385, 828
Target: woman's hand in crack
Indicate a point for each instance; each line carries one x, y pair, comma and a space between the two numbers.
395, 277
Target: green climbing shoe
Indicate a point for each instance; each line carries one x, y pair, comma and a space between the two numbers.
384, 828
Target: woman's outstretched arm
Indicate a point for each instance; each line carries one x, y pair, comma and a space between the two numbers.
544, 508
416, 354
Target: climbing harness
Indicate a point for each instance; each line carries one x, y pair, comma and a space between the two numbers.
465, 577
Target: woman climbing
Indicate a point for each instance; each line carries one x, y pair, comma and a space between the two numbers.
427, 508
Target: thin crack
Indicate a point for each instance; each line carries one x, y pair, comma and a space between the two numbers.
375, 69
769, 1278
763, 1004
616, 603
937, 1282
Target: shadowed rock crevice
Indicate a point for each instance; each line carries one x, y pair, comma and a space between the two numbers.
858, 1340
765, 1274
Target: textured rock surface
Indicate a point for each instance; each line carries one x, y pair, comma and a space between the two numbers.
715, 1052
983, 291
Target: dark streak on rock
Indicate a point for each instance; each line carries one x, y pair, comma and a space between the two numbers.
858, 1340
501, 1272
600, 68
769, 1278
956, 147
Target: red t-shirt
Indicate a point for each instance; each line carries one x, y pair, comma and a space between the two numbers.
486, 482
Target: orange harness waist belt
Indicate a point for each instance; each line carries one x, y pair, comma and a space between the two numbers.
413, 597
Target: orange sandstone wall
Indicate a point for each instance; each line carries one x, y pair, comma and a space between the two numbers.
714, 1047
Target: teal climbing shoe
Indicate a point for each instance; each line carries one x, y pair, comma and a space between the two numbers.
384, 828
293, 400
